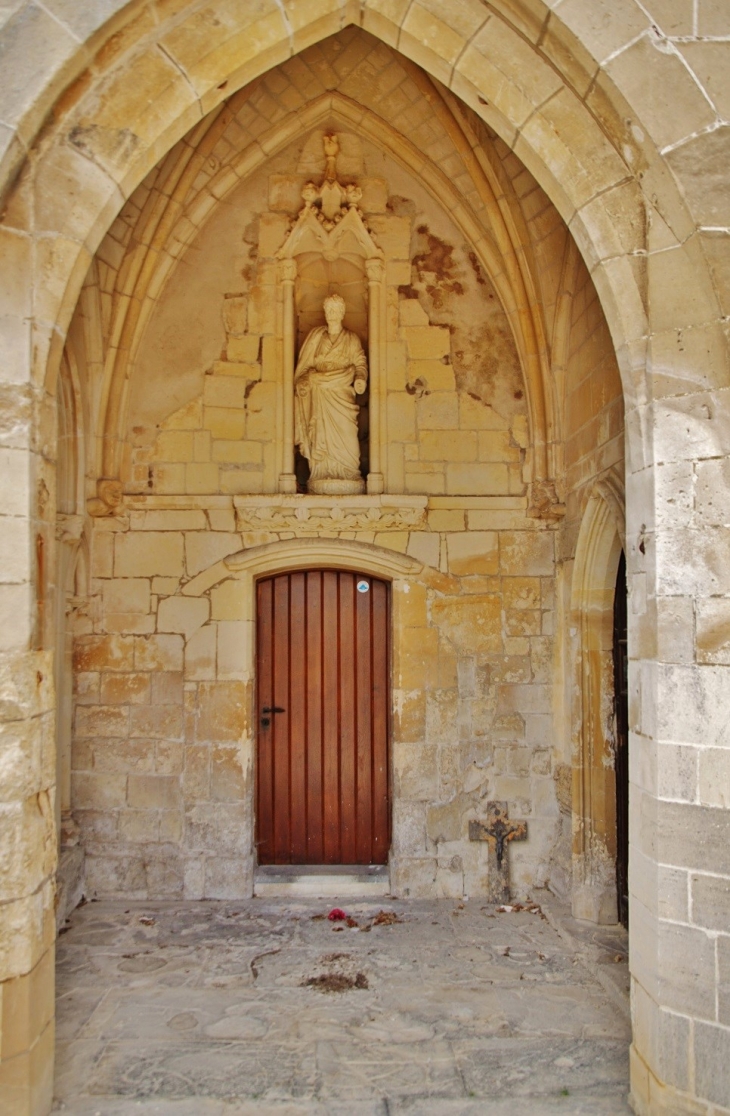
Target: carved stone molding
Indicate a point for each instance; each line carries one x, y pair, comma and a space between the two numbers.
611, 489
305, 514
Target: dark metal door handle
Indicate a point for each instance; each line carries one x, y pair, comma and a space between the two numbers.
266, 721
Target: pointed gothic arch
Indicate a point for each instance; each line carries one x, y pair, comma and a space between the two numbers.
597, 558
134, 101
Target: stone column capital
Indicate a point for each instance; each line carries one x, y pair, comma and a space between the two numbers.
287, 269
374, 269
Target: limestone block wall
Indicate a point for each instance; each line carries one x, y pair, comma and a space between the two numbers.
441, 440
162, 791
162, 761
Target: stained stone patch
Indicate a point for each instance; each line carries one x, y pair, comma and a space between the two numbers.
218, 1009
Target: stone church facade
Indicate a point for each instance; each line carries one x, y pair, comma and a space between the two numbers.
530, 236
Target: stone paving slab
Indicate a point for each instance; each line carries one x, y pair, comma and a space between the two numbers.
562, 1106
226, 1009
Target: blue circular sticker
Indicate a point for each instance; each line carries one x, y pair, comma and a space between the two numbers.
363, 586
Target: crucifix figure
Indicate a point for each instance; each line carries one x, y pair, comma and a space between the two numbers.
498, 831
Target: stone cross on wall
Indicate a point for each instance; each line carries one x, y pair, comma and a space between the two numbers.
497, 832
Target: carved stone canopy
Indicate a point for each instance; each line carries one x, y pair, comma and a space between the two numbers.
331, 226
330, 222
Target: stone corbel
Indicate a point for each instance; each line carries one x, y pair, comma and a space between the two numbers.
544, 502
69, 528
70, 832
108, 500
77, 606
83, 608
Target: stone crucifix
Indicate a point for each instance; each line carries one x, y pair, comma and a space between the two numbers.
497, 832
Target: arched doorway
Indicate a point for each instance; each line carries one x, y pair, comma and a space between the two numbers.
595, 601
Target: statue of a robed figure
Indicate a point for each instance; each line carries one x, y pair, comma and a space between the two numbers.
330, 372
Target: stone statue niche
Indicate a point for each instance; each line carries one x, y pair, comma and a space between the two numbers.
330, 269
330, 373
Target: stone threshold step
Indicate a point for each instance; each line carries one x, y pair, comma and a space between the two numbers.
322, 881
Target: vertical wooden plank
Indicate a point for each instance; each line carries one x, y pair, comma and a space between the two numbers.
380, 720
314, 726
363, 706
297, 711
330, 718
264, 737
280, 722
348, 730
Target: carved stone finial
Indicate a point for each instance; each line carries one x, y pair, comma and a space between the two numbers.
330, 201
331, 150
310, 193
331, 195
353, 195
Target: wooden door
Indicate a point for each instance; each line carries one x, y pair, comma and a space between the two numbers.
323, 786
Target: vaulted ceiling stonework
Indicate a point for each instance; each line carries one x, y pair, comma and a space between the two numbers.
349, 352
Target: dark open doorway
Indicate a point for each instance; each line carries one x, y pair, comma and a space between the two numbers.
621, 704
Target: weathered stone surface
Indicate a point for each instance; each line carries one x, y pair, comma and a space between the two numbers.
709, 901
182, 614
145, 554
471, 623
712, 1079
458, 1034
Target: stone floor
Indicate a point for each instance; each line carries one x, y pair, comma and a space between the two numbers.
231, 1008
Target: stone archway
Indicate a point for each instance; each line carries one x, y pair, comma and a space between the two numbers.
594, 793
566, 96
